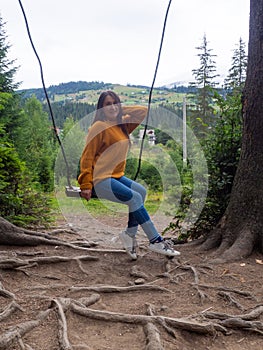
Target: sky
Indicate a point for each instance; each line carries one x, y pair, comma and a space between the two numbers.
117, 41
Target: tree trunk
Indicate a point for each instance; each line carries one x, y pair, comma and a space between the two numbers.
240, 230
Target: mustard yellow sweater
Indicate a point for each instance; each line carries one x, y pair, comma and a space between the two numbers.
106, 148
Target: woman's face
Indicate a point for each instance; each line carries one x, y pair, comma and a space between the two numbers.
110, 108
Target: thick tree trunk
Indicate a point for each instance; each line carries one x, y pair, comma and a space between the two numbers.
240, 231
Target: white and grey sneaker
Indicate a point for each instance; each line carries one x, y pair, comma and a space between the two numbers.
129, 244
163, 248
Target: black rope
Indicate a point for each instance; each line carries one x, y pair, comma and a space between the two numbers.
49, 104
46, 94
151, 90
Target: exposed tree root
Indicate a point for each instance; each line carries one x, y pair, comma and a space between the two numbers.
17, 236
149, 322
252, 315
232, 300
237, 291
153, 339
5, 293
115, 289
232, 241
180, 323
16, 263
242, 321
9, 310
20, 330
153, 324
63, 328
238, 323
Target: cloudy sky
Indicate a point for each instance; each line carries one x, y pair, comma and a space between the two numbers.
117, 41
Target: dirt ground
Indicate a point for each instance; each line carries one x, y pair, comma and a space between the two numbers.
111, 302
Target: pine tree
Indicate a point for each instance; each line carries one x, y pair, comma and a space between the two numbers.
204, 83
237, 73
7, 70
21, 201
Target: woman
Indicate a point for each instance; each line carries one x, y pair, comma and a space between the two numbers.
102, 168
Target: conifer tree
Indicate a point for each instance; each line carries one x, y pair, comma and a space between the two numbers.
204, 83
237, 73
21, 200
7, 69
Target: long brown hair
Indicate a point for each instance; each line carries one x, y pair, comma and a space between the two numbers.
99, 115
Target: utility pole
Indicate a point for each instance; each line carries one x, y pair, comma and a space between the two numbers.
184, 133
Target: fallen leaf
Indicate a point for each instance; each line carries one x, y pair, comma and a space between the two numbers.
259, 261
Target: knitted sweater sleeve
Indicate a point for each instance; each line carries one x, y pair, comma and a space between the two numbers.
88, 157
133, 116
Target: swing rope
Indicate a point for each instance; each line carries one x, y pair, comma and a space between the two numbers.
46, 94
151, 91
49, 104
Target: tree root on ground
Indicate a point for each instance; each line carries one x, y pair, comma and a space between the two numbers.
153, 325
17, 236
9, 310
5, 293
252, 315
231, 299
116, 289
150, 322
18, 331
227, 289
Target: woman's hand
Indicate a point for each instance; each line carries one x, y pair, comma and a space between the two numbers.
86, 194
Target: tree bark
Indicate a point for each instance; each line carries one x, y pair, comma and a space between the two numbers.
240, 230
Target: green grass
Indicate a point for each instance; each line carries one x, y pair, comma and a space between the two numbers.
98, 208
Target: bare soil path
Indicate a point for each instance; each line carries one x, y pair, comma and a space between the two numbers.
57, 298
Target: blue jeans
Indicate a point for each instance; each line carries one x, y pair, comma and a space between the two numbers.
132, 194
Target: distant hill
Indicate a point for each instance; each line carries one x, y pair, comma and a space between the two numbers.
72, 87
75, 90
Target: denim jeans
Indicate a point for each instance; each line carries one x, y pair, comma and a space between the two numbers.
132, 194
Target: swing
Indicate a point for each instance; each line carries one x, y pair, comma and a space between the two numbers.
74, 191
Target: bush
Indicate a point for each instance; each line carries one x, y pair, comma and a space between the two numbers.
20, 202
222, 151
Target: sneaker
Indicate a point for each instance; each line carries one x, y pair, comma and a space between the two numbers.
129, 243
163, 248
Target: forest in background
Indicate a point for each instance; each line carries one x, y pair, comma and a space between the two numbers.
29, 147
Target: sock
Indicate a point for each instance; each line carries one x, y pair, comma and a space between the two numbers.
131, 231
157, 240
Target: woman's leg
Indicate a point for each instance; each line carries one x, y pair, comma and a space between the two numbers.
123, 191
132, 226
116, 191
